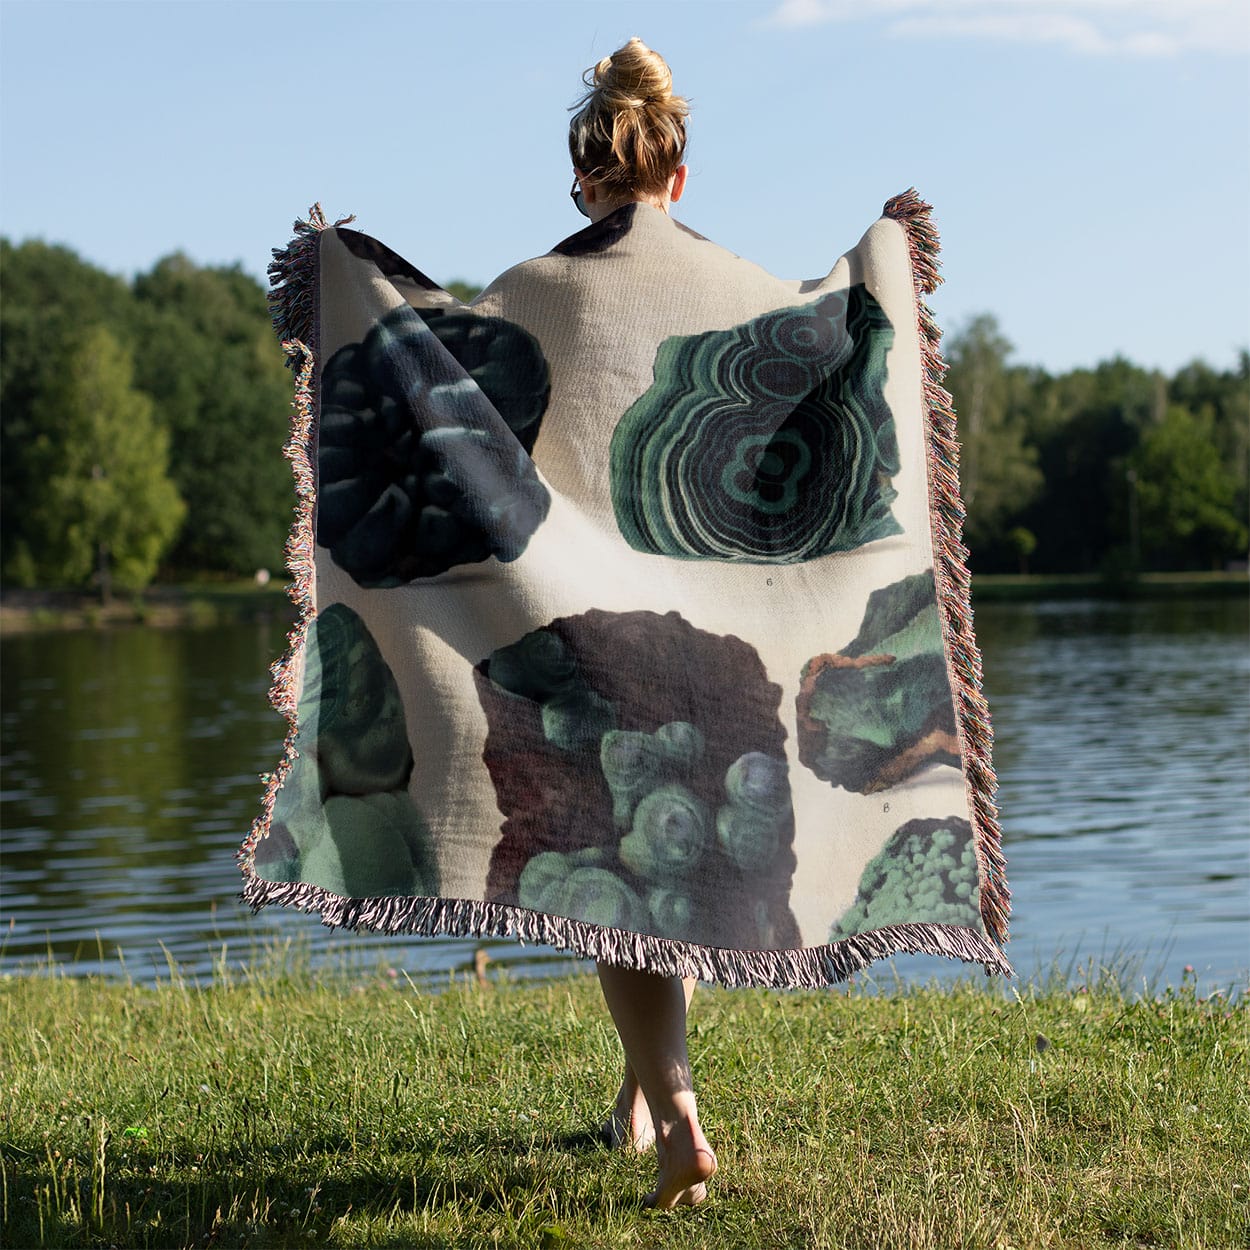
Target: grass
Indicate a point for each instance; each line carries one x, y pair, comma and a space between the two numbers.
291, 1108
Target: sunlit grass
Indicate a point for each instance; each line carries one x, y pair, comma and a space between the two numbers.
275, 1106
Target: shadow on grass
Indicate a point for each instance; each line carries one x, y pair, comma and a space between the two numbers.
263, 1197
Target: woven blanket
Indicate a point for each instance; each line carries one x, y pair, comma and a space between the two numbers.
634, 618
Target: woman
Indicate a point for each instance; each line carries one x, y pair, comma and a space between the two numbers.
628, 141
634, 614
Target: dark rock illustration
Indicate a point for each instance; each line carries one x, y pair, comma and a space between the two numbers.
419, 466
881, 710
390, 264
503, 359
679, 737
599, 235
770, 442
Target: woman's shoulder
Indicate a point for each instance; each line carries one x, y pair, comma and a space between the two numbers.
639, 247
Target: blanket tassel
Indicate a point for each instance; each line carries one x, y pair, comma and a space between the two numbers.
806, 968
951, 567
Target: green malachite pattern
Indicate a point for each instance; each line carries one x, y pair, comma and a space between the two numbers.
343, 819
925, 874
881, 709
769, 443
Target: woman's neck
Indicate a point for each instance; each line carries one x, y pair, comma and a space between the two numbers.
605, 208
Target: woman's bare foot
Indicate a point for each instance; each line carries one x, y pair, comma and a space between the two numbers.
649, 1011
686, 1165
629, 1125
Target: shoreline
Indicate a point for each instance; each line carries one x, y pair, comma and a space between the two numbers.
202, 605
1030, 587
177, 605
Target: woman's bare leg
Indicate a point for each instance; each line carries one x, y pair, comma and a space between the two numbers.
629, 1124
650, 1015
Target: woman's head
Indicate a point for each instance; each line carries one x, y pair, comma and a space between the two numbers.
629, 132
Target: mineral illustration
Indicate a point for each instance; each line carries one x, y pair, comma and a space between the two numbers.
770, 442
639, 764
925, 874
343, 819
880, 711
423, 446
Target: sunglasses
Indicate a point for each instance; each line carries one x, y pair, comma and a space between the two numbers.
576, 196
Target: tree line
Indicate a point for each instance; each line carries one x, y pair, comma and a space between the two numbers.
1112, 470
142, 424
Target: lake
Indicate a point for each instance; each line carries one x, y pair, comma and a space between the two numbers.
130, 774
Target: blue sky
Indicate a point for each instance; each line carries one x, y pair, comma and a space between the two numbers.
1088, 160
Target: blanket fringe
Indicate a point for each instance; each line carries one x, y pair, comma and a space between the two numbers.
806, 968
293, 303
293, 280
951, 567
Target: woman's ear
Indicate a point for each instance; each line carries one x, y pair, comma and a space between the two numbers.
678, 184
588, 186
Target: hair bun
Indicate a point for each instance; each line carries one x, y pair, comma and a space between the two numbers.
633, 77
629, 130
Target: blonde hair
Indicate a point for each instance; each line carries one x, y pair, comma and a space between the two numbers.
629, 133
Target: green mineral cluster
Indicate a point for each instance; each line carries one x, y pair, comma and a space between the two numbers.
750, 825
578, 886
671, 832
634, 763
540, 668
925, 874
881, 710
669, 835
345, 802
678, 829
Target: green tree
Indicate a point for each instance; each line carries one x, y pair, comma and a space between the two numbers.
208, 358
51, 297
1024, 543
1085, 428
464, 291
997, 467
1186, 495
1221, 397
103, 504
